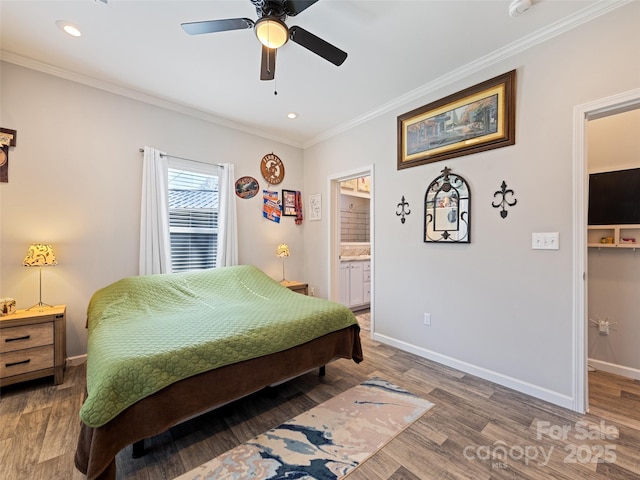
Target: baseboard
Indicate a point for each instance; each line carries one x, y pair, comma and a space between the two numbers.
77, 360
495, 377
614, 368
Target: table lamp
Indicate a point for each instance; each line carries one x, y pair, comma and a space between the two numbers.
282, 251
40, 255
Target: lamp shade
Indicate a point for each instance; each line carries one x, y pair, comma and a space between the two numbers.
282, 250
40, 255
272, 32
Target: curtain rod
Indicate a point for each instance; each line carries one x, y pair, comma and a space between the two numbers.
141, 150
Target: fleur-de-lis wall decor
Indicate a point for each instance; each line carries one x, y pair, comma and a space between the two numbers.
504, 191
403, 209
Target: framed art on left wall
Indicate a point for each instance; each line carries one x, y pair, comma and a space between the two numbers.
7, 139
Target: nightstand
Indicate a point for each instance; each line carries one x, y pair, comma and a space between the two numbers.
33, 345
297, 287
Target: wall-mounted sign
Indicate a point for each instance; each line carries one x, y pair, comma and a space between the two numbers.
247, 187
272, 169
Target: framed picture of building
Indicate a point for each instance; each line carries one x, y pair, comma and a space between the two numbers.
473, 120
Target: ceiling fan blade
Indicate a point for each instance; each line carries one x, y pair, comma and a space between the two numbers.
211, 26
317, 45
268, 63
294, 7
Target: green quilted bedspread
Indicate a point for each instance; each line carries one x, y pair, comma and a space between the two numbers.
148, 332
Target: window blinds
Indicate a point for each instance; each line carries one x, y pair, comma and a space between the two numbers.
193, 219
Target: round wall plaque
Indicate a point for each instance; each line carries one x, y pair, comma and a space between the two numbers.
247, 187
272, 168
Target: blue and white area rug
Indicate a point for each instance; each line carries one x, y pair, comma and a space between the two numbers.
327, 442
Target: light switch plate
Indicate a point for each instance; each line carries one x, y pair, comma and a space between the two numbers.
545, 241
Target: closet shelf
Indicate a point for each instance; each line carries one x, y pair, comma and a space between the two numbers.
613, 236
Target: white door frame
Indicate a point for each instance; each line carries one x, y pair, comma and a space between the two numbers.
334, 231
581, 115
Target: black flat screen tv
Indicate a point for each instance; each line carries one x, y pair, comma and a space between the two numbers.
614, 197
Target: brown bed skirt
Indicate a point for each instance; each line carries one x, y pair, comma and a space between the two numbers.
98, 447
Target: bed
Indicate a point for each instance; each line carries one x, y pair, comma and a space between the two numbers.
165, 348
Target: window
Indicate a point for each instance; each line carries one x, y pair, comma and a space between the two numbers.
193, 216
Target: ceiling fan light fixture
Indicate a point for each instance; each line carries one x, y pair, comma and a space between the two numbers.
272, 32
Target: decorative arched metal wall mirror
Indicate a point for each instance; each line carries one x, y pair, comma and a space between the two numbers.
447, 206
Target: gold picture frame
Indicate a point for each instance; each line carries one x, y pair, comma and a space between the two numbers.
473, 120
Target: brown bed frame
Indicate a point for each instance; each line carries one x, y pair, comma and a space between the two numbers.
97, 447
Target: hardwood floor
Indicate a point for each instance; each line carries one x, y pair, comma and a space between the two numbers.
477, 429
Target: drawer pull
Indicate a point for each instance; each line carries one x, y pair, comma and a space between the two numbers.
26, 337
17, 363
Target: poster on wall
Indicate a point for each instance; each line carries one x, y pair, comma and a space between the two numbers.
315, 207
271, 208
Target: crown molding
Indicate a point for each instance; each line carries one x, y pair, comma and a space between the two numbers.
138, 95
585, 15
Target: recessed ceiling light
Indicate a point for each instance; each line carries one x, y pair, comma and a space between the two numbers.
518, 7
68, 28
292, 115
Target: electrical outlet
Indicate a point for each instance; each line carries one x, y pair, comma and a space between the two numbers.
427, 319
312, 292
603, 327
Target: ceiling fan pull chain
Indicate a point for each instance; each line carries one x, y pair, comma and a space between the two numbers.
275, 87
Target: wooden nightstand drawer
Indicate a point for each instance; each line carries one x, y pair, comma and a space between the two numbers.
26, 336
295, 286
33, 345
25, 361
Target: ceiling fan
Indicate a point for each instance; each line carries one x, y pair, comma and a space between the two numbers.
273, 32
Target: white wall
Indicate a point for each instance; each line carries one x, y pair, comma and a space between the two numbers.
75, 180
498, 308
614, 283
613, 142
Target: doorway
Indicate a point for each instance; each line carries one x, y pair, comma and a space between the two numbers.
583, 114
613, 268
351, 241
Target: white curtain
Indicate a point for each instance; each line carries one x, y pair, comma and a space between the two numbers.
227, 254
155, 246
